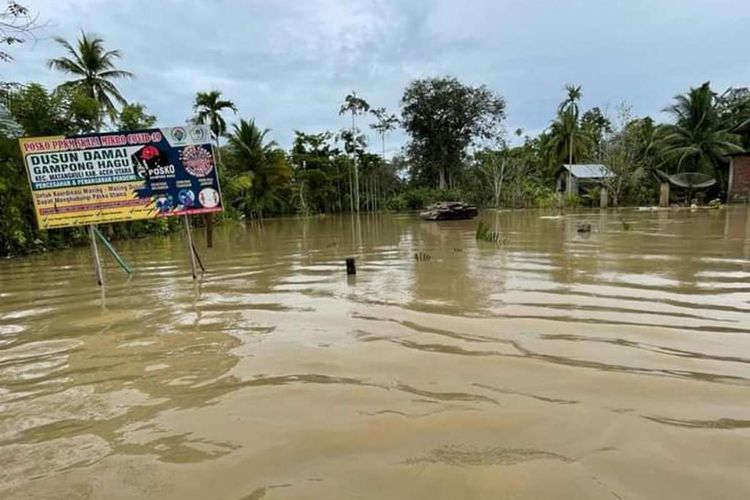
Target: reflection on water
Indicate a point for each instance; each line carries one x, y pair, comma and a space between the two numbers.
554, 364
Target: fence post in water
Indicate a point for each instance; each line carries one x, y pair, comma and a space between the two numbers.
664, 194
603, 198
95, 252
190, 247
209, 218
351, 266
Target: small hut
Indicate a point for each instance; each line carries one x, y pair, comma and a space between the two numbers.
580, 179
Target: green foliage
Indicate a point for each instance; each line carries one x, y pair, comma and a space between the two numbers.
93, 69
64, 111
209, 107
566, 140
258, 172
484, 233
133, 116
700, 138
572, 200
422, 257
444, 117
596, 127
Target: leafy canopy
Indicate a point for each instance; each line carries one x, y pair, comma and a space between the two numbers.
444, 117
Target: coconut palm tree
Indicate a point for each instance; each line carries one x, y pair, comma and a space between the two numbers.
209, 107
564, 139
260, 167
699, 139
384, 124
568, 111
93, 68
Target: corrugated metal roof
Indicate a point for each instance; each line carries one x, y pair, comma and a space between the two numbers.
592, 171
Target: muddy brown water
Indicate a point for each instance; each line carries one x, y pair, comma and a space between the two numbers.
613, 364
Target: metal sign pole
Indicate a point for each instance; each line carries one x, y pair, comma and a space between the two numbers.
190, 247
95, 252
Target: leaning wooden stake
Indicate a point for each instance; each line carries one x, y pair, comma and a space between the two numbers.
108, 246
193, 267
95, 252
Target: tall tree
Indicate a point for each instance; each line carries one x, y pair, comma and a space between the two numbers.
93, 69
356, 106
565, 142
596, 126
444, 117
385, 123
209, 107
317, 175
699, 139
568, 111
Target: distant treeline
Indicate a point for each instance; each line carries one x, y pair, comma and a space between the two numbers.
457, 148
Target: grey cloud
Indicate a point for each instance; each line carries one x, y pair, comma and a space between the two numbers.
288, 64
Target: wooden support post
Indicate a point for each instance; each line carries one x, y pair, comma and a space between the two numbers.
351, 266
603, 198
95, 253
664, 194
108, 246
209, 218
193, 267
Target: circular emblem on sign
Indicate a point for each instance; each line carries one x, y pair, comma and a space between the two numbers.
197, 160
186, 197
178, 134
209, 197
164, 204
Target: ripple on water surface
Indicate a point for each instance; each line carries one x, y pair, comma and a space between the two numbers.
610, 364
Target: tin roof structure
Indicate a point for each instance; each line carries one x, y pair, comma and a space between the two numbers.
592, 171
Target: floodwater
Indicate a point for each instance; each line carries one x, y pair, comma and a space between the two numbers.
613, 364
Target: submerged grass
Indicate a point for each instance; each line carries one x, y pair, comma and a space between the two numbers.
484, 233
422, 257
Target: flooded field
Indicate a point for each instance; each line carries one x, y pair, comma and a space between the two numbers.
613, 364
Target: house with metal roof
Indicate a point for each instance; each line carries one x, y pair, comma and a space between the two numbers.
580, 179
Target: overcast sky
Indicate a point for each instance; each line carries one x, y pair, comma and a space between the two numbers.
289, 63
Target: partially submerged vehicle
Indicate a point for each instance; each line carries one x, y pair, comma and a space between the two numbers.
449, 210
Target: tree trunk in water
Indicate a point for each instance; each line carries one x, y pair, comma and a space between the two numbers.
351, 191
356, 168
500, 185
356, 185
